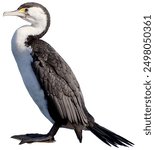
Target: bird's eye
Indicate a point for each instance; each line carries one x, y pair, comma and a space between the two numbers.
22, 10
26, 10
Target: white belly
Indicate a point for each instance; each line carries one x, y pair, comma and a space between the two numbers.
24, 59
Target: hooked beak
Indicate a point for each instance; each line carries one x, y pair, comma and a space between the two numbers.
14, 13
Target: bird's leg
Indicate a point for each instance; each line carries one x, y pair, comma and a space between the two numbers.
30, 138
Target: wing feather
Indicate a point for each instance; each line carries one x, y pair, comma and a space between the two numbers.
59, 83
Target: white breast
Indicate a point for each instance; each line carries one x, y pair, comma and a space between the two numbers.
24, 59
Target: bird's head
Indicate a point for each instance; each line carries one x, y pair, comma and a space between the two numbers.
34, 13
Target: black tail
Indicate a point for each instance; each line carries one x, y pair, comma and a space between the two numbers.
109, 137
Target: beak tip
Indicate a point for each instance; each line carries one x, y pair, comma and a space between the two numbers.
4, 14
13, 13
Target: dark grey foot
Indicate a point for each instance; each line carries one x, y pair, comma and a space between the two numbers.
30, 138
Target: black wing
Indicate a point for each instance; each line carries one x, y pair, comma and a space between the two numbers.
59, 84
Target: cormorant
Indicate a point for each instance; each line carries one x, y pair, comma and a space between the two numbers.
51, 82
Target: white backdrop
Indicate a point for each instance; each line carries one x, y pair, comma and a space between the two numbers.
102, 42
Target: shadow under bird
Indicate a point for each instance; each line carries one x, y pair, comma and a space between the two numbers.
51, 82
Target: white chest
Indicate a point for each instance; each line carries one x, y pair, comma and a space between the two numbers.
23, 59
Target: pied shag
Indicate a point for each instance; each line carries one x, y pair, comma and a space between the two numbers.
51, 82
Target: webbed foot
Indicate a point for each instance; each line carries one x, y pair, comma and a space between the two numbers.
31, 138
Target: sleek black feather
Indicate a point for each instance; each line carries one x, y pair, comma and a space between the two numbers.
109, 137
60, 86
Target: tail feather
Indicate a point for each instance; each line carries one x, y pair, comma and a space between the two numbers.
109, 137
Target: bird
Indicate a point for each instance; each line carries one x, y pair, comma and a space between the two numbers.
50, 81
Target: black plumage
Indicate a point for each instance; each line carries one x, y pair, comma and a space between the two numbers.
61, 88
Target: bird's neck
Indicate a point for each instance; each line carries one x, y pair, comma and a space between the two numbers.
20, 49
20, 37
